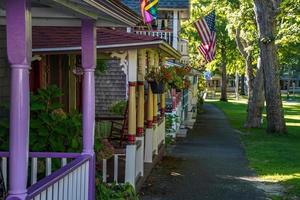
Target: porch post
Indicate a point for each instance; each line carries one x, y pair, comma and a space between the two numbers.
141, 80
141, 110
163, 104
130, 167
155, 96
155, 110
163, 95
89, 55
175, 29
18, 28
149, 129
150, 94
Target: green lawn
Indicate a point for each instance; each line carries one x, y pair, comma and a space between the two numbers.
275, 158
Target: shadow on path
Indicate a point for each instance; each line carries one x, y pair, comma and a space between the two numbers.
209, 164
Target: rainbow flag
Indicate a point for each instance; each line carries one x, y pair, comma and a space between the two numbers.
149, 10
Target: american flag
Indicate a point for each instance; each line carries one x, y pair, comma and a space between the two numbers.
207, 32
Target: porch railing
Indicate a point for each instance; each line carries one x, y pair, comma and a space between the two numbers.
138, 167
38, 161
70, 182
139, 160
116, 172
161, 132
158, 136
163, 34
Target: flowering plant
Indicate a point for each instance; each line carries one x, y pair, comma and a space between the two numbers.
167, 74
154, 75
179, 79
172, 76
182, 71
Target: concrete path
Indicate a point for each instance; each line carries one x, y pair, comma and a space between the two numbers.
209, 164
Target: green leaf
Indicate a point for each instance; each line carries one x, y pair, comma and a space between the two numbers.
74, 143
56, 145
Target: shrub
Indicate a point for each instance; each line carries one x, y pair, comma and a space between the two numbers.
115, 191
118, 107
48, 122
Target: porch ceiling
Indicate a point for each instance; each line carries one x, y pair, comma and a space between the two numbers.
69, 13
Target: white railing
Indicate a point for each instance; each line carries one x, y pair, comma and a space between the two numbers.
4, 167
161, 132
163, 34
158, 136
133, 168
105, 174
154, 139
139, 159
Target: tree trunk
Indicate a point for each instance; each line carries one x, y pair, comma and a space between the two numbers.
265, 12
242, 45
224, 78
236, 85
288, 88
256, 101
242, 85
249, 74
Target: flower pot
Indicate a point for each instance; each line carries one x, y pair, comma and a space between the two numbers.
157, 87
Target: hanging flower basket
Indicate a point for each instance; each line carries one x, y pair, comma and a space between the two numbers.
157, 87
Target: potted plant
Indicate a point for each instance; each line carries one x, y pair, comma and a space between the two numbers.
179, 80
155, 79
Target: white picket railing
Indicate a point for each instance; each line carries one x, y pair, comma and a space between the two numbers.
133, 166
115, 167
4, 167
154, 139
161, 132
158, 136
134, 157
163, 34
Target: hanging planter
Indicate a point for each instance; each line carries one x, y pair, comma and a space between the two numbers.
157, 87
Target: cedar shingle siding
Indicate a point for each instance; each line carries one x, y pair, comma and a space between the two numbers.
110, 87
4, 70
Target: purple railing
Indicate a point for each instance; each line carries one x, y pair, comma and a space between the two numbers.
69, 182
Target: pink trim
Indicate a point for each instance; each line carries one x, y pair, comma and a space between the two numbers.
140, 131
131, 138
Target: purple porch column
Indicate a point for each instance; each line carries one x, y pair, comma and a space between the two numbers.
18, 18
88, 43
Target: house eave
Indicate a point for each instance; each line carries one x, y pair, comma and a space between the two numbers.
170, 51
115, 11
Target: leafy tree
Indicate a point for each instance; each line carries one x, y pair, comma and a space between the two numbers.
243, 29
267, 35
227, 59
288, 39
266, 12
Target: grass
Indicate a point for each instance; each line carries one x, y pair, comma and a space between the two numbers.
275, 158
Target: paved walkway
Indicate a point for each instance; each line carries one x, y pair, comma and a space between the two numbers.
209, 164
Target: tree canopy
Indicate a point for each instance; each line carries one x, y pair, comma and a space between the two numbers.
249, 33
233, 14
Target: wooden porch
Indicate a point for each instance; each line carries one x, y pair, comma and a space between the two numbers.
36, 175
